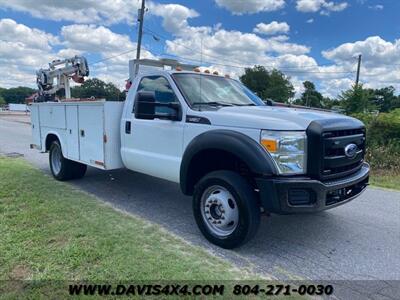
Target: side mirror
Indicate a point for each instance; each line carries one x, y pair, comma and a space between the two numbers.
146, 104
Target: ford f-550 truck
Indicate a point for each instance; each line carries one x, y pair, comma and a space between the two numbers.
236, 156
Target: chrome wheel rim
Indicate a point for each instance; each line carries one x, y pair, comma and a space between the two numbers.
219, 210
56, 157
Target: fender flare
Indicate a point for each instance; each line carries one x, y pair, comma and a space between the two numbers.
240, 145
62, 144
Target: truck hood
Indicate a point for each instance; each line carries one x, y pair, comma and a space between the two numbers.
267, 117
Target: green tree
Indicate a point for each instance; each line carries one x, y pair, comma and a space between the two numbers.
357, 100
310, 97
16, 95
2, 101
329, 103
385, 100
268, 84
97, 88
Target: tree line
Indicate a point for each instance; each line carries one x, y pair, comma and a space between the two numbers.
93, 87
268, 84
276, 86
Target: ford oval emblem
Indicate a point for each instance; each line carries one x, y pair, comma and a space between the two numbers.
350, 150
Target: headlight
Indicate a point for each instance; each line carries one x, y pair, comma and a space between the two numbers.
287, 148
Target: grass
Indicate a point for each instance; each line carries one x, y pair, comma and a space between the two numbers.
52, 231
389, 180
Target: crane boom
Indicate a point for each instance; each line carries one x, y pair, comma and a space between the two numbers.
61, 70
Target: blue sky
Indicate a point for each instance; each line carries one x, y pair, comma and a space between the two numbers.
314, 40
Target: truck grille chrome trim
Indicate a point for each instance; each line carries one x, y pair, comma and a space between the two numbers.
335, 162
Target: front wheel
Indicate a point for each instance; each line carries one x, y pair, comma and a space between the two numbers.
62, 168
226, 209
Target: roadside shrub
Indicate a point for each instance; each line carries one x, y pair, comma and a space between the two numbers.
383, 140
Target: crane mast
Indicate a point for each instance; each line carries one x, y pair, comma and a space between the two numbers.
61, 71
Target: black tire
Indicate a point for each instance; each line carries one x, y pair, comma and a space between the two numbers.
247, 204
67, 169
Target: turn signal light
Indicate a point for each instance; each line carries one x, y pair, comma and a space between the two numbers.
270, 145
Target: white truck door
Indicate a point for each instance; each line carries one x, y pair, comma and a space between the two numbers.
72, 132
154, 147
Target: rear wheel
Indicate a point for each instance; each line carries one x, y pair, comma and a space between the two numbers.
62, 168
226, 209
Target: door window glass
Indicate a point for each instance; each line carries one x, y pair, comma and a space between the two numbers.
162, 90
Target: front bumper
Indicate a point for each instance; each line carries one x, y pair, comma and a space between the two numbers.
302, 195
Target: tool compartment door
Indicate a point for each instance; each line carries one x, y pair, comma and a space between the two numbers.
35, 120
72, 133
91, 134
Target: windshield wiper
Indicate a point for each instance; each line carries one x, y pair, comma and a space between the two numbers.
248, 104
212, 103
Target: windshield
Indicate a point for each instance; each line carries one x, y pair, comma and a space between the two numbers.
208, 90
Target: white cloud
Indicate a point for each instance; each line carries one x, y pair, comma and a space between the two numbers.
380, 60
215, 43
108, 44
238, 7
272, 28
22, 50
83, 11
174, 16
323, 5
10, 31
92, 38
375, 50
376, 7
310, 21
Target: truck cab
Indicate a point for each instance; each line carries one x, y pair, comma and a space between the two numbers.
234, 154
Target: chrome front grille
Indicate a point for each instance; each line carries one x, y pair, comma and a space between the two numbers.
335, 163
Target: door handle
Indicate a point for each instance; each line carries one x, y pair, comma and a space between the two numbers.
128, 127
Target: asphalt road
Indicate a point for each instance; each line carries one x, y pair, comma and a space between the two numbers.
358, 241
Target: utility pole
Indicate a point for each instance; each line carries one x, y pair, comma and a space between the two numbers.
140, 33
358, 70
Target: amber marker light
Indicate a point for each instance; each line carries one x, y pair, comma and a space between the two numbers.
270, 145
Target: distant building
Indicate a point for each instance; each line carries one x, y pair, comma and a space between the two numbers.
18, 107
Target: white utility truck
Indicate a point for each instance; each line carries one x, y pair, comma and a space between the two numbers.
236, 155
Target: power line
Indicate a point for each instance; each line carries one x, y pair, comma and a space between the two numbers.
111, 57
242, 66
